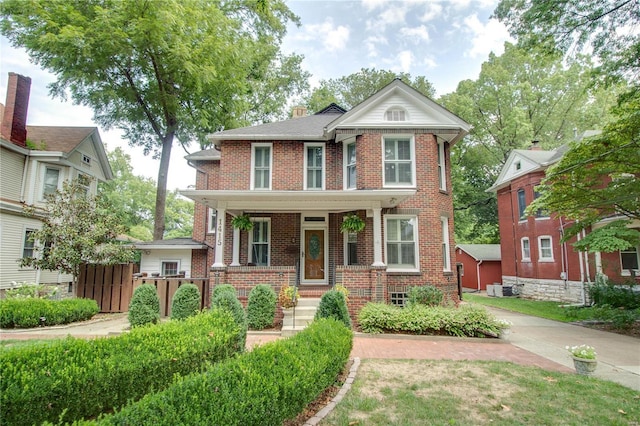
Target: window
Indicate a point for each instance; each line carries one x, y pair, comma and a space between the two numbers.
51, 180
261, 166
522, 203
85, 182
398, 299
28, 245
401, 237
398, 161
86, 159
350, 248
540, 213
350, 166
446, 255
170, 267
526, 248
211, 221
395, 114
314, 166
259, 238
442, 171
517, 165
629, 260
546, 251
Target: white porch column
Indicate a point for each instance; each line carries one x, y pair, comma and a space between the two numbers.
377, 237
236, 247
221, 216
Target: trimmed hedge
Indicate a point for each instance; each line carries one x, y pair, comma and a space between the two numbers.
266, 386
27, 313
71, 379
427, 295
221, 288
186, 302
465, 321
261, 307
228, 301
144, 307
334, 305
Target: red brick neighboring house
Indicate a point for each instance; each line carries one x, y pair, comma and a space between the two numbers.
386, 160
480, 265
532, 253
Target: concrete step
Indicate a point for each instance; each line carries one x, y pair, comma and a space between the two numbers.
305, 311
308, 301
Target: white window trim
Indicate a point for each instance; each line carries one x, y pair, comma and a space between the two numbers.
416, 243
250, 239
396, 108
545, 259
162, 261
86, 160
442, 166
44, 175
306, 165
625, 272
253, 165
211, 220
412, 150
446, 242
525, 258
523, 217
22, 247
345, 164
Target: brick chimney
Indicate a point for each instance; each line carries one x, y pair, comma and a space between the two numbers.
299, 111
14, 119
535, 146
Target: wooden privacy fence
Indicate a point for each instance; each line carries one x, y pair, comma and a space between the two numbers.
109, 285
167, 287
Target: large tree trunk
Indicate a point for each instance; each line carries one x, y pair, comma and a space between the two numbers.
161, 190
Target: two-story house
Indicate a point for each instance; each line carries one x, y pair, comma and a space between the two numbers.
533, 255
386, 160
34, 161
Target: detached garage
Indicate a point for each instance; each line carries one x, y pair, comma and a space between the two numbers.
481, 265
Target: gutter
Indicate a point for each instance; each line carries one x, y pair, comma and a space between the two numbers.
478, 273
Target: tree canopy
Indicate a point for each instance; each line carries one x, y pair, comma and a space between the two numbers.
162, 69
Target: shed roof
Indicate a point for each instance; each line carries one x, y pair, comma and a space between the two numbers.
481, 251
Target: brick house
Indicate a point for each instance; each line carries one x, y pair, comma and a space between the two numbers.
386, 161
532, 252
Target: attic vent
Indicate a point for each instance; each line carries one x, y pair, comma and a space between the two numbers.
395, 114
518, 165
86, 159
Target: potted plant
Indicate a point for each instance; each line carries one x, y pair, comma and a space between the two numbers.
242, 222
351, 223
285, 297
584, 359
504, 329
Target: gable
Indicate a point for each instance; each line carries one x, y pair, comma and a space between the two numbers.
521, 162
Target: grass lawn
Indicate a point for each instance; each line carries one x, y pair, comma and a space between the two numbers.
412, 392
543, 309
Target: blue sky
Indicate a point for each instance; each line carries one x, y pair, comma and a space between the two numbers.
444, 40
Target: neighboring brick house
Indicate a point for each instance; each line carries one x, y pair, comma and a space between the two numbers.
481, 265
533, 255
34, 162
386, 160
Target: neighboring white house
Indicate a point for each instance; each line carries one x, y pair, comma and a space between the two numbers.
34, 162
168, 258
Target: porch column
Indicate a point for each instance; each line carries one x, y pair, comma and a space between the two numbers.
377, 237
221, 216
236, 247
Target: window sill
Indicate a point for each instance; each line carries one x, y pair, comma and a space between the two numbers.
625, 273
444, 191
546, 260
403, 272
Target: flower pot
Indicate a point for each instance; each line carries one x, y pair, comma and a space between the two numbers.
585, 367
504, 334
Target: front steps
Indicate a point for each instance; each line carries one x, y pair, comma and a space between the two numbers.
305, 311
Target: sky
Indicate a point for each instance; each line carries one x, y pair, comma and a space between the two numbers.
444, 40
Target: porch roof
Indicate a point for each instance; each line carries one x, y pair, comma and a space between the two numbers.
263, 201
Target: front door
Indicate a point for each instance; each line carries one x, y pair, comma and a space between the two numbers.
314, 256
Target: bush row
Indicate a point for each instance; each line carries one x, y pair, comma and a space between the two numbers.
616, 296
469, 321
266, 386
28, 313
73, 378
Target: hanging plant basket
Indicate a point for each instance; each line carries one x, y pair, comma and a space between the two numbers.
242, 222
352, 223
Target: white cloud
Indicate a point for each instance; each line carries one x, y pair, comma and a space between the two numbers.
432, 11
402, 62
394, 15
416, 34
372, 43
332, 37
372, 4
489, 37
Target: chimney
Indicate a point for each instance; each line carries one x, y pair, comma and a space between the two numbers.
14, 119
299, 111
535, 146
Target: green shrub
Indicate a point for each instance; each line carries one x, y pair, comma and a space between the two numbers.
28, 313
186, 302
144, 307
31, 290
426, 295
225, 300
66, 380
221, 288
333, 305
261, 307
266, 386
470, 321
617, 296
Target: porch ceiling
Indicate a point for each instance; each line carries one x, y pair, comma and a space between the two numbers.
260, 201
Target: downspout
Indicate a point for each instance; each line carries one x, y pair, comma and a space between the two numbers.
513, 234
478, 272
586, 259
563, 253
580, 259
24, 178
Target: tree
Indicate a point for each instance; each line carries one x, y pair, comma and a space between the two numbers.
76, 229
519, 96
350, 90
161, 69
